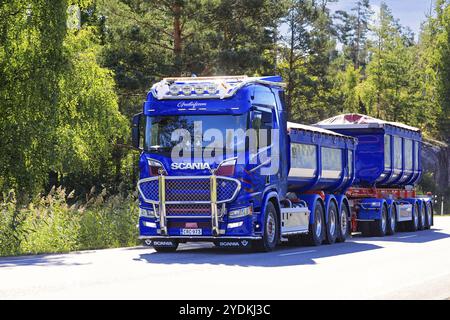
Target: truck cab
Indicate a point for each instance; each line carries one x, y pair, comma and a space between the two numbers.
212, 157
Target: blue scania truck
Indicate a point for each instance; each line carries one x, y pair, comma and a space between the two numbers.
220, 163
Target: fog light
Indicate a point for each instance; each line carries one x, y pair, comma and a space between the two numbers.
235, 224
149, 224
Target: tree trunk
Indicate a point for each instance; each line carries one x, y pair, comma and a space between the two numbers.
177, 39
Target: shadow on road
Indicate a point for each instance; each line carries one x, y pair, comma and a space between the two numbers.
409, 237
284, 255
44, 261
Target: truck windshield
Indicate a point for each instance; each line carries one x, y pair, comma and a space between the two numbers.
161, 135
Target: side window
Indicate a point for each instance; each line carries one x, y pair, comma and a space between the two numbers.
262, 123
263, 96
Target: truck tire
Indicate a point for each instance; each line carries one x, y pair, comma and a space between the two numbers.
429, 215
332, 226
344, 225
392, 223
413, 225
271, 231
166, 249
422, 217
316, 232
379, 226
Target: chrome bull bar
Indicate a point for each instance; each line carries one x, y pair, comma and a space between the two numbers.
213, 200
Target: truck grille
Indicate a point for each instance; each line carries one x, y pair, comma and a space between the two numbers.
188, 190
187, 210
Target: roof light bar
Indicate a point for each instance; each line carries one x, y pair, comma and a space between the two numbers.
205, 87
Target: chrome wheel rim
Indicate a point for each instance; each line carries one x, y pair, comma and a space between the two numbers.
429, 215
383, 221
332, 222
318, 224
416, 217
270, 228
343, 222
393, 221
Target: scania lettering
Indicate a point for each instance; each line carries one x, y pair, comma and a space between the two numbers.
350, 173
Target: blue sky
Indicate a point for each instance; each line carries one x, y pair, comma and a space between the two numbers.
411, 13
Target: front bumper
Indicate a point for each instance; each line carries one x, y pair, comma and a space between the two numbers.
169, 201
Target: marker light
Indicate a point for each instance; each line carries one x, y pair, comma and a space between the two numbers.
174, 90
187, 90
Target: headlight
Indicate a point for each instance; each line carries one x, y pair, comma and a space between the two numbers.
146, 213
239, 213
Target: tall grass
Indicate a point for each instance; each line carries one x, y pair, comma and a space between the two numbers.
49, 224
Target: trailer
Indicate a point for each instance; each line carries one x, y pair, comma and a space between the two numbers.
220, 162
388, 167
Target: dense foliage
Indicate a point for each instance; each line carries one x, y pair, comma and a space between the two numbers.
67, 94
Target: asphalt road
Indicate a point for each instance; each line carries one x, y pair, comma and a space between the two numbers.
404, 266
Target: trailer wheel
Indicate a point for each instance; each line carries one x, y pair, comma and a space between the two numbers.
422, 217
344, 225
317, 229
332, 224
392, 225
271, 230
166, 249
379, 226
413, 225
429, 215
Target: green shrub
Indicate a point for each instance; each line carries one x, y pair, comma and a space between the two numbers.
49, 224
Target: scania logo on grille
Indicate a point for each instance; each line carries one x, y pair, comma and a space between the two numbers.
190, 166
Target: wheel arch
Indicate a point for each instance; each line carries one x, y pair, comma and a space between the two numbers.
311, 200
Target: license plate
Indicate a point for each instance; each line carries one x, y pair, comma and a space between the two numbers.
191, 232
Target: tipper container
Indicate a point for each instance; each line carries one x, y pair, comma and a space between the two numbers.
319, 159
387, 154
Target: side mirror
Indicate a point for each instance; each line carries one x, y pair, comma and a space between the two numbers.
136, 131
